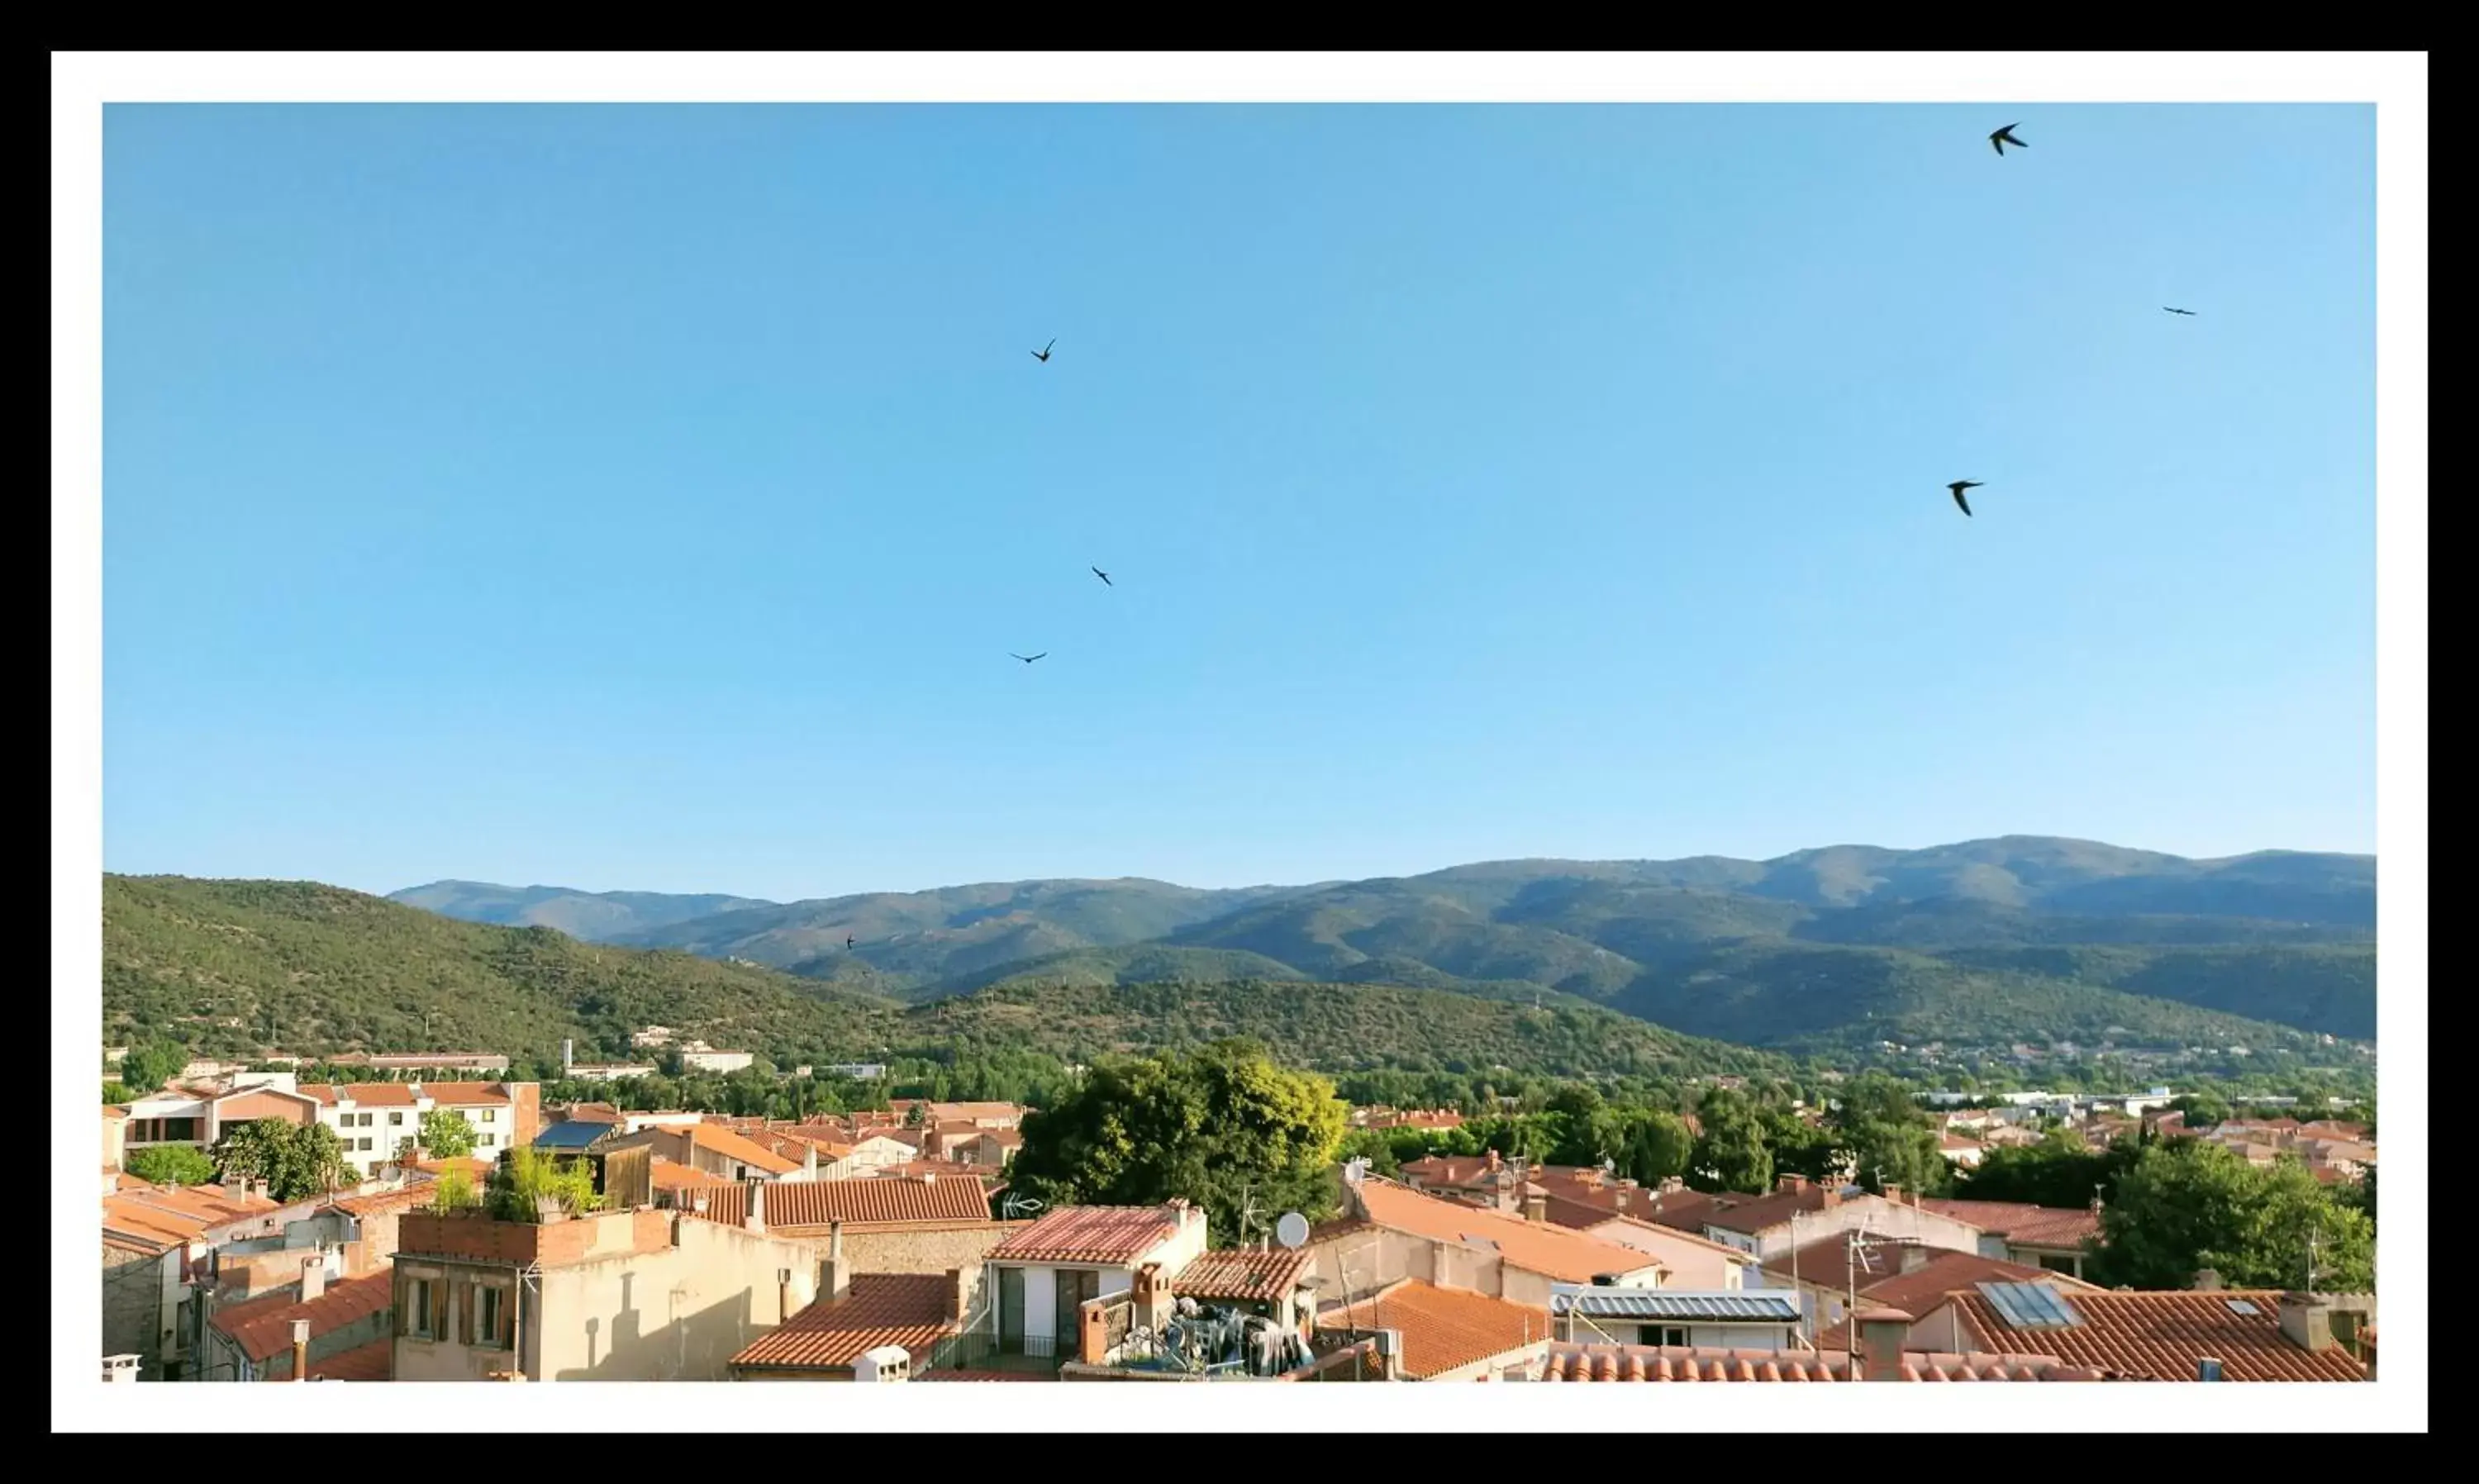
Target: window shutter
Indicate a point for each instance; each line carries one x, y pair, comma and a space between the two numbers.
471, 1335
507, 1317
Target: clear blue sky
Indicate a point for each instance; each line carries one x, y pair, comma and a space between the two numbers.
649, 497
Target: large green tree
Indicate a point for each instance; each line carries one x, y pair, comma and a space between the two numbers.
445, 1135
2059, 1170
2187, 1207
1658, 1147
1884, 1136
1218, 1127
171, 1165
149, 1064
1731, 1153
297, 1161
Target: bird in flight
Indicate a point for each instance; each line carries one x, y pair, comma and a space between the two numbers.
848, 942
1961, 485
1043, 354
1105, 576
1027, 659
2004, 137
2177, 310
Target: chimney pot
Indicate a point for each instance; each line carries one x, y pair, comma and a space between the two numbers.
1880, 1342
313, 1277
300, 1350
757, 1218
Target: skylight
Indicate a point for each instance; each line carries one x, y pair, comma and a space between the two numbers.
2243, 1306
2030, 1305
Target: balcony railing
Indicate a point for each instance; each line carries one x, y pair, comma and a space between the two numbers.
981, 1349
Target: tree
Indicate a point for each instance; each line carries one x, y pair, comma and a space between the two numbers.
453, 1191
2203, 1110
1884, 1136
445, 1135
116, 1093
1731, 1154
297, 1161
1214, 1126
522, 1184
172, 1164
2057, 1171
1658, 1147
149, 1065
2187, 1207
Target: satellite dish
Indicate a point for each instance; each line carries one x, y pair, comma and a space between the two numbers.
1292, 1230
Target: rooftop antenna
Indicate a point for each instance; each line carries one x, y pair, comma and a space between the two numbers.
1247, 1213
1859, 1245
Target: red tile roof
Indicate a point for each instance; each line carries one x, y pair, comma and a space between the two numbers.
1752, 1215
671, 1175
372, 1362
467, 1092
1648, 1362
361, 1095
1535, 1246
2022, 1224
902, 1309
1088, 1234
402, 1198
1946, 1271
2160, 1336
715, 1139
264, 1332
1249, 1277
1444, 1329
819, 1203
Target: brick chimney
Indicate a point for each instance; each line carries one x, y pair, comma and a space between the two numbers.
1151, 1295
834, 1274
1880, 1342
1790, 1185
300, 1350
314, 1276
1893, 1192
1536, 1206
756, 1220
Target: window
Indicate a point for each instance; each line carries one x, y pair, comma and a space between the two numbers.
365, 1144
489, 1114
394, 1119
1675, 1335
486, 1316
2057, 1262
417, 1314
483, 1142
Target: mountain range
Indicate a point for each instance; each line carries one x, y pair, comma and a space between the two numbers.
1987, 941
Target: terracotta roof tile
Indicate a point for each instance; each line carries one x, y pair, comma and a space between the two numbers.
2020, 1223
402, 1198
1258, 1277
361, 1095
264, 1332
1649, 1363
671, 1175
1921, 1291
820, 1203
1550, 1250
1088, 1234
717, 1140
2160, 1336
902, 1309
460, 1093
1444, 1329
372, 1362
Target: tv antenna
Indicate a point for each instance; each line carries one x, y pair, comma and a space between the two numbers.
1013, 1207
1247, 1213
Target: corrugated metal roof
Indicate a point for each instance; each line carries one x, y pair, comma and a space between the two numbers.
1743, 1307
573, 1135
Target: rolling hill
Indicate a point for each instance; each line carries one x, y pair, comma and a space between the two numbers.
587, 916
2020, 937
231, 967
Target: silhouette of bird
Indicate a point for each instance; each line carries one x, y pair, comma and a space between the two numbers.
2177, 311
848, 942
1027, 659
1961, 485
1105, 576
2004, 137
1043, 354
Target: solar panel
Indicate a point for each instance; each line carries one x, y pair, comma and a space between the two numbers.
2030, 1305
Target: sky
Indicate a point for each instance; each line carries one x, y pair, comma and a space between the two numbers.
629, 497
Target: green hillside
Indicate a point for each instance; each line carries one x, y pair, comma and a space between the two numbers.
1329, 1027
226, 966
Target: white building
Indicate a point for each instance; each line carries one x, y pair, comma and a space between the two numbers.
373, 1118
716, 1060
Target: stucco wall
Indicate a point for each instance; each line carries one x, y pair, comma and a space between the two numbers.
928, 1248
1691, 1264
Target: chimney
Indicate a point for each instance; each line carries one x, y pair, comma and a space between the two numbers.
1880, 1342
1492, 1159
1893, 1192
314, 1276
2206, 1280
959, 1297
301, 1348
1916, 1256
1790, 1185
757, 1218
2307, 1321
782, 1294
1670, 1185
1536, 1207
1389, 1355
834, 1274
2347, 1330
